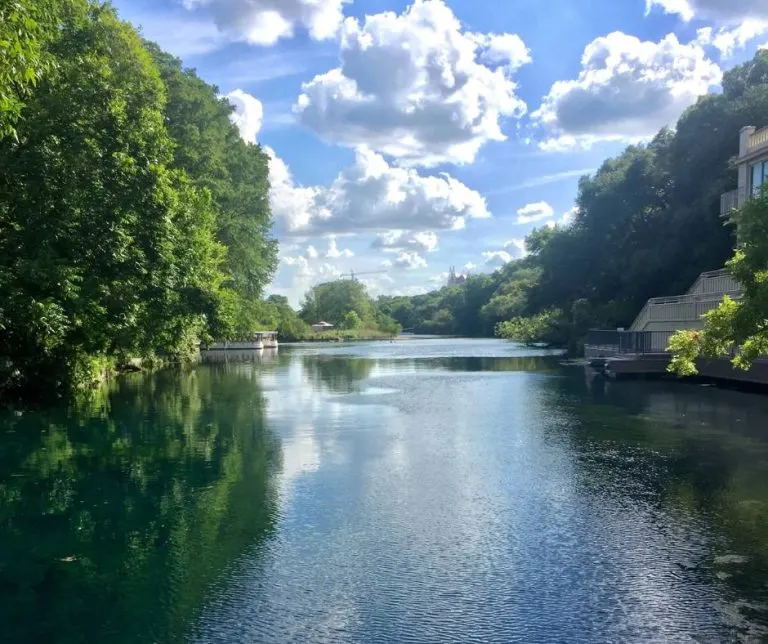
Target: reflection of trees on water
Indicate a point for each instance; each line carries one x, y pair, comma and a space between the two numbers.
344, 374
260, 356
534, 364
701, 452
115, 521
339, 375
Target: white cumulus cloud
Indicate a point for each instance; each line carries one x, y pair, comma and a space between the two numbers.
334, 252
496, 258
534, 212
373, 196
566, 220
395, 240
518, 247
264, 22
292, 205
410, 260
627, 90
417, 87
311, 252
727, 40
502, 49
248, 114
297, 274
726, 11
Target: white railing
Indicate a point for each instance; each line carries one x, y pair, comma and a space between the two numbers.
684, 312
686, 309
642, 318
758, 138
715, 282
706, 294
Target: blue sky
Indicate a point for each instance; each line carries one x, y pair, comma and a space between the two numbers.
411, 136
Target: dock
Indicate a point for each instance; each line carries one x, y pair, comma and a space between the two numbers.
259, 341
624, 354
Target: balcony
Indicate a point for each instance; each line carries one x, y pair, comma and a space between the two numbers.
729, 202
758, 139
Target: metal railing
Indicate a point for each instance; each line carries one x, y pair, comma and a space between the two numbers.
629, 342
705, 294
715, 282
729, 202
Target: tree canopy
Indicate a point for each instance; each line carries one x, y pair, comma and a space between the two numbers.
114, 243
347, 305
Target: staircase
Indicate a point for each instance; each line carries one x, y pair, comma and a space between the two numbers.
670, 314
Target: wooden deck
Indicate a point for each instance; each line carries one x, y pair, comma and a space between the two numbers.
655, 365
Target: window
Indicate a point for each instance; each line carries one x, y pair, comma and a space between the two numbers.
759, 176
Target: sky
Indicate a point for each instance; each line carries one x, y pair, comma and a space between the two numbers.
407, 137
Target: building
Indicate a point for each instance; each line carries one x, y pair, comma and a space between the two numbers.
454, 279
321, 326
752, 164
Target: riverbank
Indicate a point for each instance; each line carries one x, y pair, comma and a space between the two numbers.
350, 335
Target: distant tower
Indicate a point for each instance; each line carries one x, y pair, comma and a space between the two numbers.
452, 277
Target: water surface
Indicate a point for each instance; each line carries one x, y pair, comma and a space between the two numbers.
418, 491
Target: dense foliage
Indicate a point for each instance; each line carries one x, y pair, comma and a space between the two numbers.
347, 305
26, 27
738, 328
133, 219
648, 223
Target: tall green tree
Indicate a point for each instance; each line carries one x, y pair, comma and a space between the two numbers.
332, 301
736, 328
26, 28
105, 250
236, 173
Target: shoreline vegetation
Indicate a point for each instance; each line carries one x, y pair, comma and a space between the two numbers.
135, 222
343, 336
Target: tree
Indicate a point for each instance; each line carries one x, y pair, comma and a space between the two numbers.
236, 173
26, 27
351, 321
540, 328
106, 252
332, 301
738, 328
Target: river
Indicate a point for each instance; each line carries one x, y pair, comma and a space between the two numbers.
427, 490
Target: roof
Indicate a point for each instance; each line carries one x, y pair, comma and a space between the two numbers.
322, 324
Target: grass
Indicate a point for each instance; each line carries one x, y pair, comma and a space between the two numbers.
342, 335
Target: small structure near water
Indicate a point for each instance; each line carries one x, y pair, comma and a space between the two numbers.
319, 327
259, 341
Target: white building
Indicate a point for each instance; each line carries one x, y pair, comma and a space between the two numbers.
752, 164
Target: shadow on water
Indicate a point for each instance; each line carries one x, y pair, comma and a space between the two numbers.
699, 454
335, 375
115, 520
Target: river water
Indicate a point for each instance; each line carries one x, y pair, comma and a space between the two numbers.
429, 490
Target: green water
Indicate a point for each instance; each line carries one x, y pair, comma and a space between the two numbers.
422, 491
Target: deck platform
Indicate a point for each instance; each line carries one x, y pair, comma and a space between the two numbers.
626, 366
